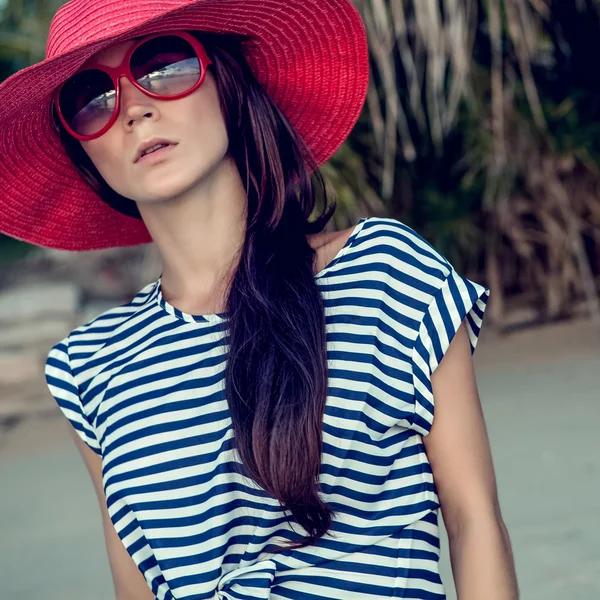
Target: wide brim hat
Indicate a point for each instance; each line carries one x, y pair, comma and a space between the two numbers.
310, 55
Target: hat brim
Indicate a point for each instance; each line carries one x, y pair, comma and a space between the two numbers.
310, 55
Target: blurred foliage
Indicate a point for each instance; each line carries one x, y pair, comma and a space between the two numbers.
480, 131
481, 126
11, 249
23, 32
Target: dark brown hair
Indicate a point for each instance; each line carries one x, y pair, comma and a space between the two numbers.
276, 373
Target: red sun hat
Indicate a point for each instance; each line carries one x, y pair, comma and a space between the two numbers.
310, 55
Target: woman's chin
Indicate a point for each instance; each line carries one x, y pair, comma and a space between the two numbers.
161, 185
163, 190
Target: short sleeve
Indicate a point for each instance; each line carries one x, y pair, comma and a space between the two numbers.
62, 386
457, 300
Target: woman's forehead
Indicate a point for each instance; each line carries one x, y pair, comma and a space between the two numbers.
113, 54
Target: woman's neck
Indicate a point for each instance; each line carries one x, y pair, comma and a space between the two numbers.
199, 235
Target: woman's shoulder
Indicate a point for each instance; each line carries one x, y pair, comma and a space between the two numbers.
426, 290
381, 238
399, 239
386, 244
85, 340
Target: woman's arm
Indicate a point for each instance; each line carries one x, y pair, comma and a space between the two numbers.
459, 452
129, 582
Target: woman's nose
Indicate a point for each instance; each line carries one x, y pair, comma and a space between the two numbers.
135, 105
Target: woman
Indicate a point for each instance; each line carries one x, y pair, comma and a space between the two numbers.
259, 422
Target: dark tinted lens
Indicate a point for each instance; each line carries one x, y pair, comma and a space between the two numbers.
166, 65
87, 101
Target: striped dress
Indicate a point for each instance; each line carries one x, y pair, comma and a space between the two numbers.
143, 386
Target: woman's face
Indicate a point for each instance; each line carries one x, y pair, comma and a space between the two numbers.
194, 123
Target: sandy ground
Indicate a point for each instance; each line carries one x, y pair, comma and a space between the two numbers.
541, 396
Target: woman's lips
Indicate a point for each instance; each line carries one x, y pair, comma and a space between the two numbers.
157, 156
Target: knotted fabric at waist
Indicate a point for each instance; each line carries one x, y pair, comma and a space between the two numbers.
247, 583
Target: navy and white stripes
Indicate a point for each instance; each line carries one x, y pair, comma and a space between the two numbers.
143, 386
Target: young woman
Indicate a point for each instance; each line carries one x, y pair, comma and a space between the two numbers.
258, 422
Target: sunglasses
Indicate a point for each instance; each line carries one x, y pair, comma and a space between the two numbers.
162, 66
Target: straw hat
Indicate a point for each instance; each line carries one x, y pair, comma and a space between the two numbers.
310, 55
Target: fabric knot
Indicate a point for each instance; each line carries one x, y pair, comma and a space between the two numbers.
247, 583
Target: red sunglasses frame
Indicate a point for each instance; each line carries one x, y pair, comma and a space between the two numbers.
124, 70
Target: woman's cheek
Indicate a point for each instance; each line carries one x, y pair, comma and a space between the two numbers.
110, 163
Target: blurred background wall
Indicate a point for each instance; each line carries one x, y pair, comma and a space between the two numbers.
480, 131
